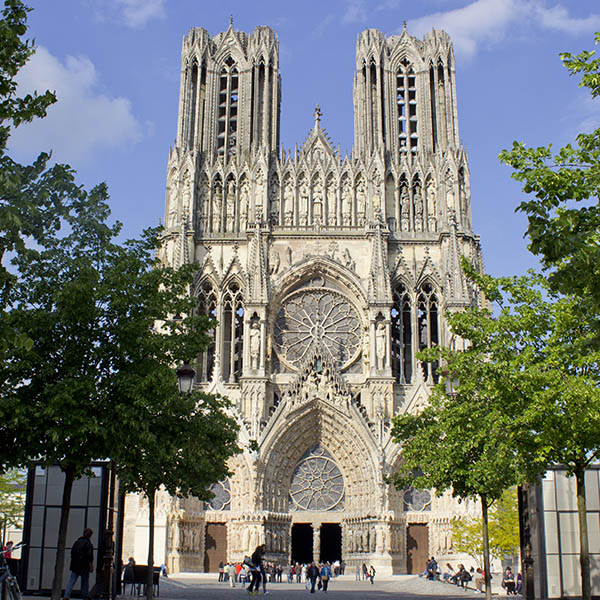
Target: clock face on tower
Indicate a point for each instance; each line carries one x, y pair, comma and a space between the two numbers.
317, 317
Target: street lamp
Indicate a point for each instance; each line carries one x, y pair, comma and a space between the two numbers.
185, 378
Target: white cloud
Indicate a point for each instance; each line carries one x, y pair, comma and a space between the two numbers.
557, 17
356, 11
132, 13
136, 13
480, 21
82, 122
488, 21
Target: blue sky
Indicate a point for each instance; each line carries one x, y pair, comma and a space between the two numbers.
115, 67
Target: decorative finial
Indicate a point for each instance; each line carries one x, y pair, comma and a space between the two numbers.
403, 25
317, 114
231, 21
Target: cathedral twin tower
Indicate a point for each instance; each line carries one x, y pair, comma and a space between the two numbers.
326, 275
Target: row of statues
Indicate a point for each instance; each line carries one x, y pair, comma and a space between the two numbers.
231, 206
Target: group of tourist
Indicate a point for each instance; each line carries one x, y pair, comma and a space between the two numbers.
254, 569
461, 577
362, 572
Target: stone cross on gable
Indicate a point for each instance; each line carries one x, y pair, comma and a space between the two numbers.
317, 114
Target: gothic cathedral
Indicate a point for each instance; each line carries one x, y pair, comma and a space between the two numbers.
326, 274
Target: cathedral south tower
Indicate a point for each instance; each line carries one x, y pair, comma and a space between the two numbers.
327, 274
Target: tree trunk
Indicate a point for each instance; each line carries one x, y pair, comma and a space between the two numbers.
59, 566
150, 574
584, 552
486, 546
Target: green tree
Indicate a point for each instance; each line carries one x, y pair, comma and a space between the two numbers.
12, 500
33, 196
467, 533
89, 305
187, 440
563, 211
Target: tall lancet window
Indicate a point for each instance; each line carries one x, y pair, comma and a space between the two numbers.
192, 105
402, 335
206, 306
428, 327
406, 103
228, 108
432, 95
232, 330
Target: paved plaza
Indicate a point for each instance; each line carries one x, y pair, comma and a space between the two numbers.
206, 587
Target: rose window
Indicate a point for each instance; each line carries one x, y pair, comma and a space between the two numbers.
417, 500
317, 483
317, 317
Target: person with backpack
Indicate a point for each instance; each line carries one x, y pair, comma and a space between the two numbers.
82, 564
255, 570
325, 576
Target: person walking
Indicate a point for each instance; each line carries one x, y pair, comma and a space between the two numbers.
372, 574
312, 573
256, 558
82, 564
325, 576
357, 572
231, 572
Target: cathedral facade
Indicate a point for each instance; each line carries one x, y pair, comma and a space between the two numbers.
327, 274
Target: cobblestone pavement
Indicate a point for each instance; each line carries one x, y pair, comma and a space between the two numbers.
190, 587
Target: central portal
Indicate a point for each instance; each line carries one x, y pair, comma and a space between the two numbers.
302, 543
331, 542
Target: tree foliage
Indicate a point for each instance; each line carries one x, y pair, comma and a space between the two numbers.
32, 197
467, 533
12, 499
563, 210
562, 205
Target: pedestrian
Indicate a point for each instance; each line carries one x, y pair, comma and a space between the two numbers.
7, 550
255, 569
312, 573
372, 574
221, 572
163, 571
82, 563
365, 571
357, 572
231, 573
325, 576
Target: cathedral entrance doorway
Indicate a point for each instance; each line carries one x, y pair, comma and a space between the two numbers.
331, 542
417, 547
302, 543
215, 546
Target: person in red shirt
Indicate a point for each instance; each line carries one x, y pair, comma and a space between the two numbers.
7, 550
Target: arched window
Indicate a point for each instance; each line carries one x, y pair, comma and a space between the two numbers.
428, 327
432, 94
402, 335
192, 104
232, 328
228, 108
207, 306
406, 103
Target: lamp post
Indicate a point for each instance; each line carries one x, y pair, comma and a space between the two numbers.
185, 378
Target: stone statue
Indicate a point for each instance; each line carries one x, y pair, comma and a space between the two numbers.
317, 204
431, 216
361, 201
380, 336
274, 200
274, 261
348, 261
259, 190
418, 204
244, 197
217, 205
254, 345
331, 203
186, 204
346, 204
404, 202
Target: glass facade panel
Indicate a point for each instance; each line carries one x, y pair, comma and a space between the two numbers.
549, 492
553, 570
571, 577
591, 490
551, 530
565, 492
569, 533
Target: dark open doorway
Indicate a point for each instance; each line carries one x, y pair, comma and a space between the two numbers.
331, 542
302, 543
